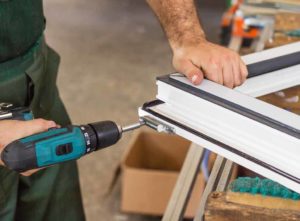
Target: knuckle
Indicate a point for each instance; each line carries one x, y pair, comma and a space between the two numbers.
213, 77
39, 121
214, 61
211, 59
227, 58
178, 61
234, 54
216, 65
234, 57
43, 123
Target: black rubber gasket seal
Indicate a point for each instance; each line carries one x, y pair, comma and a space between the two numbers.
273, 64
263, 119
147, 107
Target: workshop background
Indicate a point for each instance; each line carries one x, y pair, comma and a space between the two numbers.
111, 51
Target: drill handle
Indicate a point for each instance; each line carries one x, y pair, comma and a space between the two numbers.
44, 149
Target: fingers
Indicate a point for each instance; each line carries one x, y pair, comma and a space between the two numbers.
234, 70
29, 172
11, 130
27, 128
230, 71
213, 72
211, 61
221, 71
237, 75
192, 72
228, 77
243, 70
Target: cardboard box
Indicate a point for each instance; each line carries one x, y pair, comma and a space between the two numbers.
150, 167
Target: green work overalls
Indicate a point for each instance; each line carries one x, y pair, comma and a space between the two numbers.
30, 79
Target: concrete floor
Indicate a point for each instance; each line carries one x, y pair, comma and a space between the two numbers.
111, 53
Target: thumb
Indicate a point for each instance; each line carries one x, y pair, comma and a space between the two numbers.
192, 72
27, 128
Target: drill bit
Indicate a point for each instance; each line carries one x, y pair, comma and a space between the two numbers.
133, 126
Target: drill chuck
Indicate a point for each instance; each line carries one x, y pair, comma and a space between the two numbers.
107, 133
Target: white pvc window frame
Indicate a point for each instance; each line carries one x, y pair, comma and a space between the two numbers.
266, 150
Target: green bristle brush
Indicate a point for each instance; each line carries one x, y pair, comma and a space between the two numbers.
265, 187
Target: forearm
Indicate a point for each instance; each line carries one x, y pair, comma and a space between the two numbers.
179, 20
193, 56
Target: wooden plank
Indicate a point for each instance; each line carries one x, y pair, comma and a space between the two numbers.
291, 2
250, 9
280, 39
219, 209
287, 21
263, 201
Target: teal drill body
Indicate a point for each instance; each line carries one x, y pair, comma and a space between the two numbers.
59, 145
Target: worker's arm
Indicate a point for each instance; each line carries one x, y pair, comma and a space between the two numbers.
11, 130
193, 55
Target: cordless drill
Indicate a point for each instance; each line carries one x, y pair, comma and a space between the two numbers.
58, 145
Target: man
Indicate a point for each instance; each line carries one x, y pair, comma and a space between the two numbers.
28, 70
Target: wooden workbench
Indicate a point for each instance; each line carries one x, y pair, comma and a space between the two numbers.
219, 208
